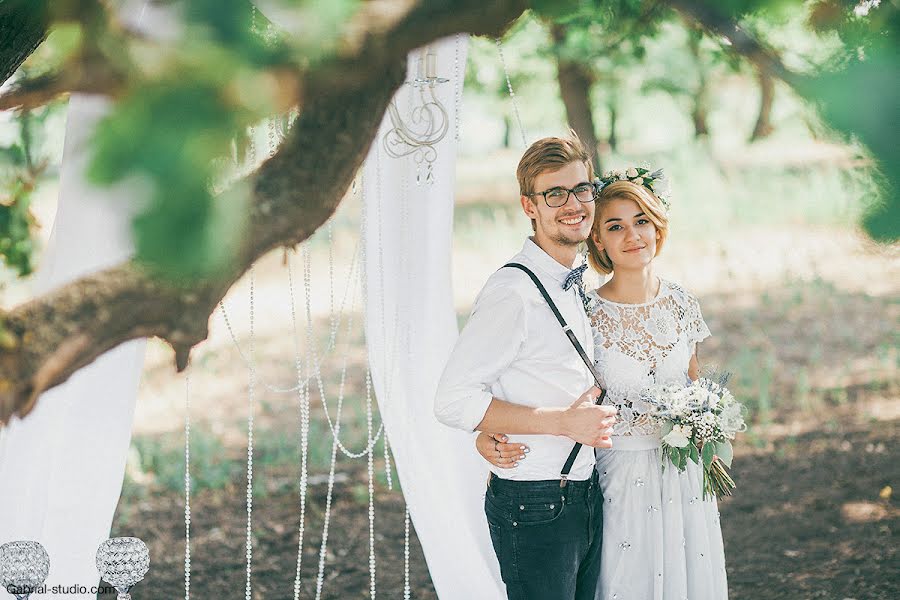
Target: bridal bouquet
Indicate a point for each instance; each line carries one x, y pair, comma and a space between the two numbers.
698, 422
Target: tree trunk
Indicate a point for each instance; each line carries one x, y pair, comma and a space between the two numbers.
763, 127
613, 140
700, 99
699, 115
575, 81
507, 130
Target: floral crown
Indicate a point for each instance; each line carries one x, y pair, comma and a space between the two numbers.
656, 181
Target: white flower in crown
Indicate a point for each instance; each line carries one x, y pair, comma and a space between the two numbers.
631, 173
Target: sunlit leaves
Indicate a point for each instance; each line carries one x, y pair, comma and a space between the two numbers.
188, 119
168, 135
560, 9
860, 98
22, 163
16, 225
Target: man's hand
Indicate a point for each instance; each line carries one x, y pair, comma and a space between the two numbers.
587, 423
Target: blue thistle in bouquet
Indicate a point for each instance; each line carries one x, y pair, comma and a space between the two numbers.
699, 421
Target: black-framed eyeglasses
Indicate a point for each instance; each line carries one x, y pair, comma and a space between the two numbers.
558, 196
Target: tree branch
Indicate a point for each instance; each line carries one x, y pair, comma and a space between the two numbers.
91, 77
716, 22
23, 27
294, 193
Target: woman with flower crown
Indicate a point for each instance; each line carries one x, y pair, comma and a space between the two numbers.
661, 539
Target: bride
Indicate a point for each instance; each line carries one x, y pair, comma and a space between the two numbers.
661, 540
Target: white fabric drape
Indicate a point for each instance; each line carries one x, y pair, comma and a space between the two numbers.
410, 330
62, 466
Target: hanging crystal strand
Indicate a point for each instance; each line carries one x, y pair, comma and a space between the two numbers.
387, 464
316, 363
406, 588
387, 370
251, 402
304, 431
457, 83
332, 340
317, 375
512, 94
323, 549
371, 470
273, 136
187, 485
329, 233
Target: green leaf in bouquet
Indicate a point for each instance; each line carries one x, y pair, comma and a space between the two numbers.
709, 451
666, 428
675, 457
725, 452
695, 454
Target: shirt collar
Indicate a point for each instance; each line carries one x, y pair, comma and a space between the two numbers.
547, 263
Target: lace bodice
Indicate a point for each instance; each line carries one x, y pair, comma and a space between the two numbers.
637, 345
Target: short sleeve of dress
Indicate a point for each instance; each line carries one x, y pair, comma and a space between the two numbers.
695, 326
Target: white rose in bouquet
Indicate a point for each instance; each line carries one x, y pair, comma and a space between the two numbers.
679, 437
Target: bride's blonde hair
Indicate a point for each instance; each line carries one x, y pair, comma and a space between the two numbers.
648, 202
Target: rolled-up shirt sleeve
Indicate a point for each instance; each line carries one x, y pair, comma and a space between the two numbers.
487, 345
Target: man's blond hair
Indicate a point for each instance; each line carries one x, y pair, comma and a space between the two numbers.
551, 154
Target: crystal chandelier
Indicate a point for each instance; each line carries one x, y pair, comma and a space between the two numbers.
428, 120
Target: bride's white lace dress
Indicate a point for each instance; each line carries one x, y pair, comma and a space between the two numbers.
661, 540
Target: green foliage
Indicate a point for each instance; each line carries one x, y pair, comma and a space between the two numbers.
169, 133
708, 453
695, 455
16, 224
838, 96
869, 65
725, 452
558, 9
163, 461
609, 38
22, 163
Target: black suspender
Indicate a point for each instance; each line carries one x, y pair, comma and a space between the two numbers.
564, 474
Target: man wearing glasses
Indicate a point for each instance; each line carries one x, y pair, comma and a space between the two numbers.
513, 370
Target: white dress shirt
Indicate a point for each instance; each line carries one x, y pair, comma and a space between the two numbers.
514, 349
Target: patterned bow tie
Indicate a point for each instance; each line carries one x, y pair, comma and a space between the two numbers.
575, 278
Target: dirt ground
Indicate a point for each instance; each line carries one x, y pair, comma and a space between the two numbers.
811, 518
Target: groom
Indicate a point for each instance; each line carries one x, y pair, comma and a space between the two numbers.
514, 370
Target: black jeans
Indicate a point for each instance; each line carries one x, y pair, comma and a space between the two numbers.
547, 538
